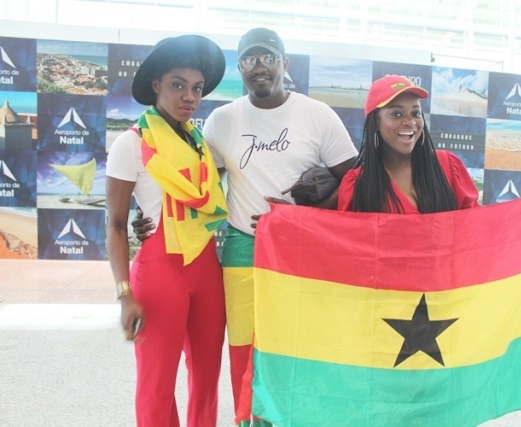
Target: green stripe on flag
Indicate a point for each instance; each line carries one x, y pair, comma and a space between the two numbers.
219, 211
213, 226
328, 394
237, 248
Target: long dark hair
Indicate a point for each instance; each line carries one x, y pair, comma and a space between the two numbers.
373, 190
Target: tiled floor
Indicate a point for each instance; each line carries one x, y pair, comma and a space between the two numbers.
60, 338
48, 282
64, 361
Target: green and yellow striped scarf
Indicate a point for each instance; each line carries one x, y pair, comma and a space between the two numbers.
194, 204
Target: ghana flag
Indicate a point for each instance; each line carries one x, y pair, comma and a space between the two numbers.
373, 320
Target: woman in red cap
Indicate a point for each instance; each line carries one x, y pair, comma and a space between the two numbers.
398, 170
172, 299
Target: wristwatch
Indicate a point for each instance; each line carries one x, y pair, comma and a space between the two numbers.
123, 289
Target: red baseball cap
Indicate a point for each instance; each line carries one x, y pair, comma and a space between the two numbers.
384, 90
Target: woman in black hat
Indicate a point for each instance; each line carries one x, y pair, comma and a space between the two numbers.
172, 298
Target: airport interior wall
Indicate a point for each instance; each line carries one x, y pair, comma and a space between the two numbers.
65, 96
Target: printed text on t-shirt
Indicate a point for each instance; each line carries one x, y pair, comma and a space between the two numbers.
279, 144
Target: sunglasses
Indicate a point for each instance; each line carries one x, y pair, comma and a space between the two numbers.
247, 63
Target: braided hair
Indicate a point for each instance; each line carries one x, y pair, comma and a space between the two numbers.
373, 191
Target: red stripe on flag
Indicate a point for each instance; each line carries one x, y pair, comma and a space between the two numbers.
420, 253
180, 206
169, 211
146, 152
186, 173
203, 171
197, 203
180, 210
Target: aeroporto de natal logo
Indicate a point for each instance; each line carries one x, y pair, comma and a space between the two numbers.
68, 241
513, 100
508, 193
288, 82
7, 189
7, 75
72, 130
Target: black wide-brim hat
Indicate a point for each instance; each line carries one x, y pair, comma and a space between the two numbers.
190, 45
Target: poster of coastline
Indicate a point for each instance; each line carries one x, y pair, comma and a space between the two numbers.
504, 96
18, 233
71, 122
18, 120
71, 234
123, 62
122, 113
501, 186
78, 68
340, 82
296, 78
465, 136
419, 75
478, 176
71, 180
503, 145
231, 86
18, 178
457, 92
17, 64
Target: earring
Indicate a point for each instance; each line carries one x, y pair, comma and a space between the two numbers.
376, 141
423, 137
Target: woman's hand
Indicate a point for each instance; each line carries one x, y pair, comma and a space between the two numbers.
132, 318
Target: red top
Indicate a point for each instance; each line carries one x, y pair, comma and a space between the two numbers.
459, 180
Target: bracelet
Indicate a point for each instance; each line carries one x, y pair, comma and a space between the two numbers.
123, 289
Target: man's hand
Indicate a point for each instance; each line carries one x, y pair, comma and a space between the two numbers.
142, 226
276, 201
269, 200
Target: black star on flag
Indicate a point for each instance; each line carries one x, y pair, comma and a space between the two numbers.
420, 333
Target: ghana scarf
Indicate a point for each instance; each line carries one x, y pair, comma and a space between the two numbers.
193, 202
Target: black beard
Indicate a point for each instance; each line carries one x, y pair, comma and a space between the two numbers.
262, 93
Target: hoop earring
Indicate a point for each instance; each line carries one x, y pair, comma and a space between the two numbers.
423, 138
376, 141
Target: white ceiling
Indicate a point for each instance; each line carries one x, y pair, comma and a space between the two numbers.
484, 34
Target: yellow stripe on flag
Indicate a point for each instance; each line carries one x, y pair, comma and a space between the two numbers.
238, 291
337, 323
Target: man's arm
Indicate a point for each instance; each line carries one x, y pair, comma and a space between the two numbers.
338, 171
341, 169
141, 226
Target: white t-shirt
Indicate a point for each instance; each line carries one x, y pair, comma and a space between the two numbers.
266, 150
125, 162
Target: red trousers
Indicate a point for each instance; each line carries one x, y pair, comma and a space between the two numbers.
183, 311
